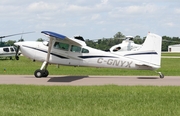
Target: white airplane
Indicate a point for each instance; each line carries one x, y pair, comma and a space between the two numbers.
9, 51
126, 45
74, 52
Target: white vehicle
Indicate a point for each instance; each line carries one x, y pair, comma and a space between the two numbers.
9, 51
126, 45
74, 52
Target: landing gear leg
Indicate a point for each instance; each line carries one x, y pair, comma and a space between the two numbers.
42, 72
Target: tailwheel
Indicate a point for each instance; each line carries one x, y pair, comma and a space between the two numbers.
161, 75
41, 73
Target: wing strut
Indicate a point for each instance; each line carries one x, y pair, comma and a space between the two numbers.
45, 63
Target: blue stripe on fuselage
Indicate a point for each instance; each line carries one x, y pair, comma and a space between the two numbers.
85, 57
145, 53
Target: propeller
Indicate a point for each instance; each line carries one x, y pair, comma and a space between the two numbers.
17, 51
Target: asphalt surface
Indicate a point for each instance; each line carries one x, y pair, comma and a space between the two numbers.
90, 80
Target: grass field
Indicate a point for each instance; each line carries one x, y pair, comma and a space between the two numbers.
111, 100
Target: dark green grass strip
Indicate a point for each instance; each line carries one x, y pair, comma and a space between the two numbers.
110, 100
171, 54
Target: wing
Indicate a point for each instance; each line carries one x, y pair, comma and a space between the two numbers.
57, 36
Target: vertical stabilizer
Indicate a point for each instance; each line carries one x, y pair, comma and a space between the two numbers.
150, 52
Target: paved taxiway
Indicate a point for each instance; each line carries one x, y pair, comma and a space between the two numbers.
90, 80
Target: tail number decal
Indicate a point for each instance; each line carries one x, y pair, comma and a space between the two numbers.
115, 62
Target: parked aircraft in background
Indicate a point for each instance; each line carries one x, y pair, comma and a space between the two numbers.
126, 45
9, 51
74, 52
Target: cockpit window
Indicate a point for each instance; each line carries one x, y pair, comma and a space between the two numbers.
6, 49
75, 48
62, 46
85, 50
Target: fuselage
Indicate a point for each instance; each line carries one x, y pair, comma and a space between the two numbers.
70, 54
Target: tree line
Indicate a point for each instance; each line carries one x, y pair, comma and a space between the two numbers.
107, 43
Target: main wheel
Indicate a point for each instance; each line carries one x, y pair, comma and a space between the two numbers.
38, 73
45, 73
17, 57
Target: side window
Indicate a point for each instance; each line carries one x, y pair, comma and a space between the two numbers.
75, 48
12, 50
6, 49
62, 46
85, 50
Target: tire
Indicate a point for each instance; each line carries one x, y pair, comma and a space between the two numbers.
38, 73
45, 73
161, 76
17, 57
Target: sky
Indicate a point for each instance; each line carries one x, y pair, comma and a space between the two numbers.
93, 19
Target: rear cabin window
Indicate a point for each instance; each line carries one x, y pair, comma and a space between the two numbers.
85, 50
62, 46
75, 49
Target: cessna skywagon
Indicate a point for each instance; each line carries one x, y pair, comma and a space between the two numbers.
74, 52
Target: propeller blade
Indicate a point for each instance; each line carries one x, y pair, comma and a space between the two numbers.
15, 34
17, 51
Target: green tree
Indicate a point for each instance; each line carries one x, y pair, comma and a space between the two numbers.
10, 42
40, 40
119, 35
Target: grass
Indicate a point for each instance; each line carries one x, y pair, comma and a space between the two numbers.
171, 54
17, 100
